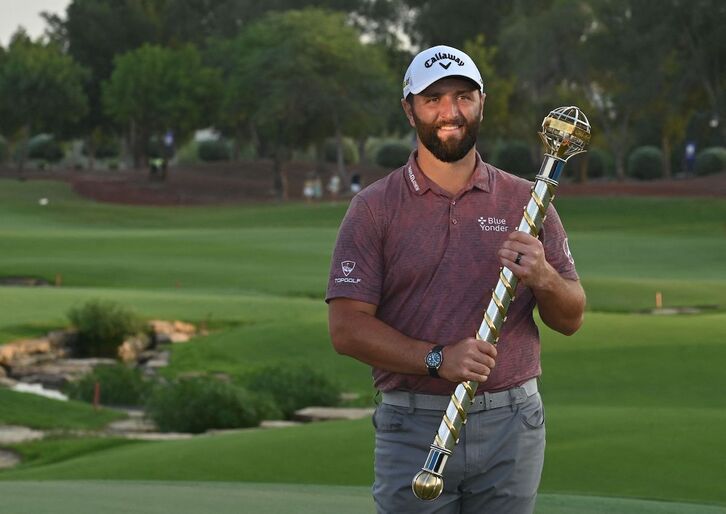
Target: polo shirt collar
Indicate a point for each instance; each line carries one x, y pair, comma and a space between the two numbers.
419, 183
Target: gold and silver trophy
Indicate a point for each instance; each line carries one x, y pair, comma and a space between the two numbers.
565, 132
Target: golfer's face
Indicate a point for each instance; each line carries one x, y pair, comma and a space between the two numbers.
446, 116
449, 105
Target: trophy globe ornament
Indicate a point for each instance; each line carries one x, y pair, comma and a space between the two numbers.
565, 132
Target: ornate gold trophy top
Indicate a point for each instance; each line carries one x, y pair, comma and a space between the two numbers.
565, 132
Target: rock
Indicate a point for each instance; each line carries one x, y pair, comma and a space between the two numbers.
132, 348
8, 459
3, 373
331, 413
172, 331
62, 338
158, 360
13, 435
7, 382
23, 348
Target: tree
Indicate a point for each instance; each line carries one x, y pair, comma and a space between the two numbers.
301, 76
497, 87
94, 32
154, 89
41, 88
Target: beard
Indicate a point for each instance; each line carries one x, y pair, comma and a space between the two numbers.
450, 149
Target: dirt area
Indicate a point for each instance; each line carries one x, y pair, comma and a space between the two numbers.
251, 181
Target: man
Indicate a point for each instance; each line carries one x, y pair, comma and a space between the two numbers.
417, 256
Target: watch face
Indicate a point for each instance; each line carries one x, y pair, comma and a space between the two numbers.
433, 359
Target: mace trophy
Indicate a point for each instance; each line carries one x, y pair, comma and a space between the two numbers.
565, 132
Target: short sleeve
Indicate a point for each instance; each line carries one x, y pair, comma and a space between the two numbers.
356, 267
556, 245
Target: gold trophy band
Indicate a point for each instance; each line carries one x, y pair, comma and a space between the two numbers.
565, 132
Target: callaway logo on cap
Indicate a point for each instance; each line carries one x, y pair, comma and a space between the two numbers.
436, 63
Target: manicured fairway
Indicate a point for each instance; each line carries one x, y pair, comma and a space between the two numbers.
635, 403
234, 498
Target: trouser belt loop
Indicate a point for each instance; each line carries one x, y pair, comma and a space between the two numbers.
411, 402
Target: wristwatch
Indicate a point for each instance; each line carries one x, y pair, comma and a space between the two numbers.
434, 359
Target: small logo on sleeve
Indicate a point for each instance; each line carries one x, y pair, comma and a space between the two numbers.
347, 267
566, 249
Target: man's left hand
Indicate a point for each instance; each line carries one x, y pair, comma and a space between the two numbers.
525, 256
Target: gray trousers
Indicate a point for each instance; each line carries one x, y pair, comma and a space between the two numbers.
495, 468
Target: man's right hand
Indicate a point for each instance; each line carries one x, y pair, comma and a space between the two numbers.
469, 359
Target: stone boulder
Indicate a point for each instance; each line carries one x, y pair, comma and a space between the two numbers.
132, 348
172, 331
16, 350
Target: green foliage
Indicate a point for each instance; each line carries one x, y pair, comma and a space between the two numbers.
3, 149
350, 151
646, 163
41, 88
102, 326
161, 88
214, 150
301, 76
45, 147
601, 163
105, 146
515, 157
294, 387
198, 404
711, 160
119, 385
393, 155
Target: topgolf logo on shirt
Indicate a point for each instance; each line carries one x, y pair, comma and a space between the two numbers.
347, 267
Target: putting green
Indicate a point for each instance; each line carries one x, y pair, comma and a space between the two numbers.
91, 497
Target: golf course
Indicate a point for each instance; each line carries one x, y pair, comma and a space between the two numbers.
635, 403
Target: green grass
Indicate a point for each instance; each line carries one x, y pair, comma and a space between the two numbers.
285, 250
91, 497
634, 403
42, 413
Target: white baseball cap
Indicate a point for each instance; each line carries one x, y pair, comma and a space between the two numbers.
436, 63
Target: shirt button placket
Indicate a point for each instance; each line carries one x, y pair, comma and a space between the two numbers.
451, 212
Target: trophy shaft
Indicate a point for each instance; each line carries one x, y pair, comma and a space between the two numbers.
565, 132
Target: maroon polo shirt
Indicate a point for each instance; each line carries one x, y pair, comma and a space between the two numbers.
429, 261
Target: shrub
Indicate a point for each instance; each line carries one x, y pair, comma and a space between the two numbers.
350, 151
202, 403
120, 385
3, 149
515, 157
711, 160
393, 155
601, 164
45, 147
294, 387
214, 150
645, 163
107, 147
102, 326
